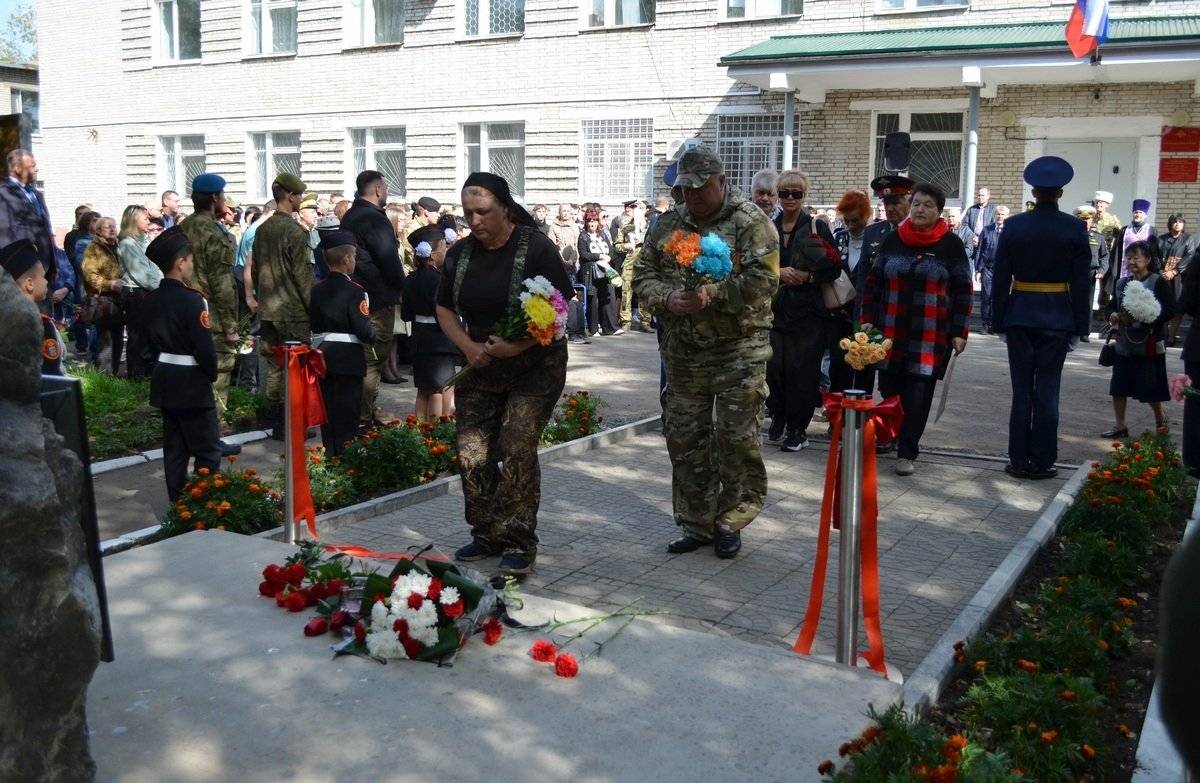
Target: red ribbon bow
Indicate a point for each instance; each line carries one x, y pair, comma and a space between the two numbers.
882, 422
305, 367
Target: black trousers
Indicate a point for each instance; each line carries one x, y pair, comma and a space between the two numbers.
343, 399
916, 397
794, 372
188, 433
140, 358
1191, 423
1035, 363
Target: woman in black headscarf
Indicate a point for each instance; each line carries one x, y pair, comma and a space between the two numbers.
506, 400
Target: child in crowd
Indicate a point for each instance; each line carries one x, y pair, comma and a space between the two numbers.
20, 259
339, 316
433, 353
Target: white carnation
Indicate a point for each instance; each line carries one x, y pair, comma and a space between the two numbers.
427, 635
379, 614
1139, 302
449, 596
540, 286
419, 583
385, 644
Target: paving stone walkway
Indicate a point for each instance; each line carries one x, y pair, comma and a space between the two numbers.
606, 517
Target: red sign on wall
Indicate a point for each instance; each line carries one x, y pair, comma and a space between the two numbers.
1181, 139
1178, 169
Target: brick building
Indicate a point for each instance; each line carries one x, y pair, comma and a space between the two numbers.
585, 100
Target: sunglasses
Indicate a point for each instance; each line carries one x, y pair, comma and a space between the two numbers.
791, 194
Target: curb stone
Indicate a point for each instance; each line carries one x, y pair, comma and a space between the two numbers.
923, 687
117, 463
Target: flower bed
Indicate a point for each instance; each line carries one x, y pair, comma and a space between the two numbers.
1049, 692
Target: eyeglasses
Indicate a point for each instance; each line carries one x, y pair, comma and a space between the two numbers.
797, 194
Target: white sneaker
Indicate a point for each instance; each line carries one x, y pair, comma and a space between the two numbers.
904, 467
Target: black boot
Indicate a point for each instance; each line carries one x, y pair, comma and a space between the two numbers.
277, 424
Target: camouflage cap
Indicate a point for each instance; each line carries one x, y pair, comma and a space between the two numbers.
290, 182
698, 166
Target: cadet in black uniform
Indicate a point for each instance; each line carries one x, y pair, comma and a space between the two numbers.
339, 316
20, 259
178, 330
433, 353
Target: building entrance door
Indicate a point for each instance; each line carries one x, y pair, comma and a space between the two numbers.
1099, 165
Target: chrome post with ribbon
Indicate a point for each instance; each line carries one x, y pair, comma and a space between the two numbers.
849, 563
289, 485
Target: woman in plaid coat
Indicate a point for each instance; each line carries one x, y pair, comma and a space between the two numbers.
918, 293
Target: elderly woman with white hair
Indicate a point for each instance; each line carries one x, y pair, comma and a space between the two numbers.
764, 192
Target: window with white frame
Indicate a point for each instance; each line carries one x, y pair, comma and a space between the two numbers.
275, 153
747, 143
919, 5
619, 13
272, 26
177, 30
180, 160
616, 159
372, 22
493, 17
382, 150
761, 9
937, 146
498, 147
25, 102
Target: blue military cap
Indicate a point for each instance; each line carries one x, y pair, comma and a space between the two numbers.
671, 174
1048, 172
208, 183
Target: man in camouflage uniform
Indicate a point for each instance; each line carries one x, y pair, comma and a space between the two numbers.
629, 241
213, 250
715, 348
283, 279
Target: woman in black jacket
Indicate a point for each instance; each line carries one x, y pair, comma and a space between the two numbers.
1175, 248
807, 258
595, 256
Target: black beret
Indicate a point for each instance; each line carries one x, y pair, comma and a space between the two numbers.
168, 246
19, 257
428, 203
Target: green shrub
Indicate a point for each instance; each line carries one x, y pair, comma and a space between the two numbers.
119, 417
245, 410
576, 416
386, 459
1088, 554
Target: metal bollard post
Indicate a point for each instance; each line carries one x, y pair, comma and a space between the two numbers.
849, 578
289, 501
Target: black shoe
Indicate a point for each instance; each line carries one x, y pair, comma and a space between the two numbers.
230, 449
474, 551
775, 433
727, 545
1123, 432
794, 441
515, 565
1038, 474
579, 340
686, 544
394, 380
1015, 472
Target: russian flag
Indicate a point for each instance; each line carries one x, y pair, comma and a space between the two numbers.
1088, 26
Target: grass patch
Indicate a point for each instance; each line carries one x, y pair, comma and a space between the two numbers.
120, 419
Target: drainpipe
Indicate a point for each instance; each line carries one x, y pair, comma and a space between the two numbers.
789, 122
972, 147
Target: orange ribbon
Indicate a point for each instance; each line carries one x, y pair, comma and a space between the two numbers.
305, 367
882, 421
371, 554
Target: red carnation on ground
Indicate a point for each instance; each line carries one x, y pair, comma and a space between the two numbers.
267, 588
492, 631
281, 597
825, 767
412, 648
296, 573
333, 587
543, 651
309, 598
317, 590
454, 610
415, 600
435, 589
360, 631
565, 665
316, 626
296, 601
274, 573
400, 627
340, 619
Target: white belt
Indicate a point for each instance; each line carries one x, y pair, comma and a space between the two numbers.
335, 337
425, 319
183, 360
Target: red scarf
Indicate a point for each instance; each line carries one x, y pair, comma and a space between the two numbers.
915, 238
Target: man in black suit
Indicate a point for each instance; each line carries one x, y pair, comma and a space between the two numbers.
23, 213
979, 216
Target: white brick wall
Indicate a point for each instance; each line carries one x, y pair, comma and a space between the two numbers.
100, 122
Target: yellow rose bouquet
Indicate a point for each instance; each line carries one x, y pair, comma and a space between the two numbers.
866, 346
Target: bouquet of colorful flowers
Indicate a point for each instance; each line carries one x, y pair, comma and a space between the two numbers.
701, 260
1139, 302
866, 346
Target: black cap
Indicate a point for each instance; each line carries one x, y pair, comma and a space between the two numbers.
19, 257
337, 237
429, 204
168, 246
498, 187
431, 235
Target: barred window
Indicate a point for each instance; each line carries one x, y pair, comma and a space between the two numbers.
275, 153
382, 150
747, 143
180, 160
937, 146
493, 17
498, 147
616, 159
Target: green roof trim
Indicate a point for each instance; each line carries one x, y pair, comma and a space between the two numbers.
1030, 35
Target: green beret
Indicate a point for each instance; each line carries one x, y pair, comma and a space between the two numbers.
290, 182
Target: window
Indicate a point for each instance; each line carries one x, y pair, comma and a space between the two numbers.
178, 30
617, 160
618, 13
498, 147
763, 9
274, 153
371, 22
25, 102
937, 146
493, 17
747, 143
920, 5
381, 149
180, 160
272, 26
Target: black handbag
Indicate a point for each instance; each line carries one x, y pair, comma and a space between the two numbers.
1108, 352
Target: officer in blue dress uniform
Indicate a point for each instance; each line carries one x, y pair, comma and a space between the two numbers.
339, 315
1041, 301
22, 262
178, 328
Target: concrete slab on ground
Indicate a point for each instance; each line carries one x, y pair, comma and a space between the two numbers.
214, 683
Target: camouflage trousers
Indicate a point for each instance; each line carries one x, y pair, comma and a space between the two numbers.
226, 359
627, 290
270, 335
377, 353
712, 415
501, 411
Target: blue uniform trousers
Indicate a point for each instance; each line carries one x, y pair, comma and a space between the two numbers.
985, 297
1035, 363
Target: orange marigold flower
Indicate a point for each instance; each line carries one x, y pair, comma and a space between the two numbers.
956, 741
232, 458
1126, 603
185, 515
871, 733
203, 471
1031, 726
981, 666
1103, 645
1018, 772
825, 767
1095, 464
199, 526
1087, 751
947, 773
250, 472
1124, 730
196, 493
1048, 737
1158, 455
921, 772
1026, 666
254, 489
1068, 696
844, 750
316, 459
1116, 501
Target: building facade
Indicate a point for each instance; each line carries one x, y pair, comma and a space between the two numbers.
585, 100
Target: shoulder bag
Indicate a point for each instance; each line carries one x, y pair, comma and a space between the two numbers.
840, 292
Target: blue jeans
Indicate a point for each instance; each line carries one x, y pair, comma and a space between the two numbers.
1035, 363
